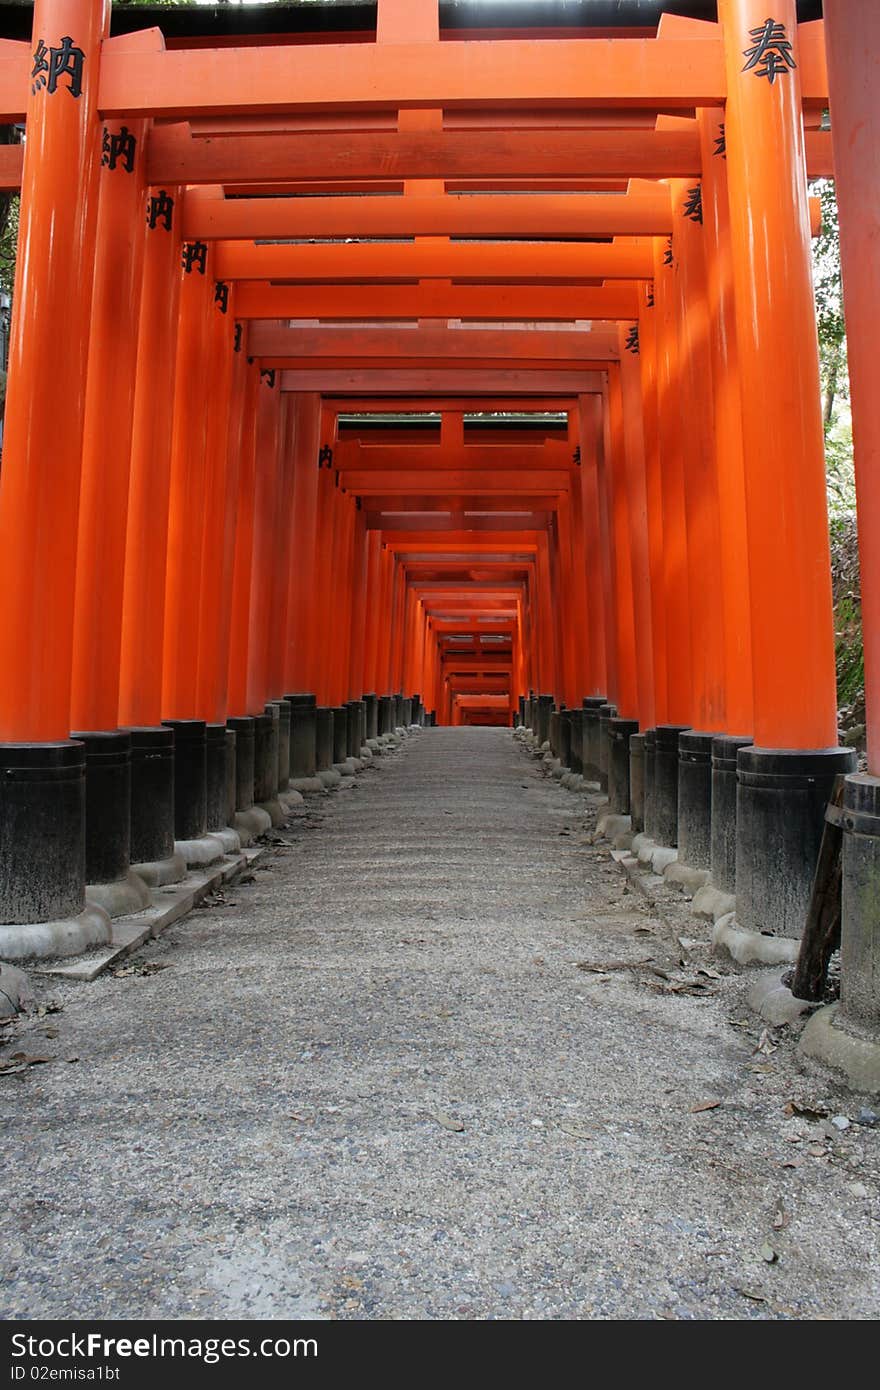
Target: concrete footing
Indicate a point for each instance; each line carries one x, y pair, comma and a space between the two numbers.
66, 936
830, 1041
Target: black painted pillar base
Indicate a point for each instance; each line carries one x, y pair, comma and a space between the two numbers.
650, 736
666, 783
619, 734
565, 738
372, 703
695, 799
191, 838
341, 720
324, 737
590, 736
153, 856
266, 764
283, 709
780, 810
43, 911
386, 715
553, 733
575, 734
250, 820
303, 743
606, 713
722, 853
352, 729
545, 707
110, 882
637, 783
230, 776
216, 786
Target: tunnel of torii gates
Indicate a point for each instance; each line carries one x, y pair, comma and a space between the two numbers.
423, 373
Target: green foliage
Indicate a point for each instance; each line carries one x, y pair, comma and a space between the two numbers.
8, 244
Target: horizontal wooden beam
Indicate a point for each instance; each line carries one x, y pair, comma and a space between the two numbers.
175, 157
654, 73
385, 458
270, 341
549, 262
450, 214
536, 521
434, 381
459, 482
435, 301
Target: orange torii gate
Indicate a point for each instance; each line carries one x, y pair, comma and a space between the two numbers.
209, 569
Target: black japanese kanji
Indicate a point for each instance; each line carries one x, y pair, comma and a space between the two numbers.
221, 295
51, 64
667, 254
693, 204
195, 256
118, 149
770, 54
325, 457
236, 341
632, 338
721, 142
267, 374
160, 208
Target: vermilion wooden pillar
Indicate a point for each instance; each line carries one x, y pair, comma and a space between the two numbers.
647, 359
727, 409
243, 562
853, 40
143, 599
266, 499
43, 429
779, 371
670, 424
783, 781
625, 693
107, 430
218, 507
590, 415
236, 448
637, 514
372, 611
705, 600
279, 617
299, 674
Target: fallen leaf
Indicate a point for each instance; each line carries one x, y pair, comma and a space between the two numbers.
794, 1163
447, 1121
765, 1044
780, 1217
807, 1112
603, 967
750, 1293
768, 1253
705, 1105
20, 1061
577, 1131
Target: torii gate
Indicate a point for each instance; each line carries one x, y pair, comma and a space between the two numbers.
185, 533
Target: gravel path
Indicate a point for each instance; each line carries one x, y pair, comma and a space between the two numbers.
375, 1083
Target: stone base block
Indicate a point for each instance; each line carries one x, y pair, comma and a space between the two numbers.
46, 940
229, 839
274, 810
207, 849
252, 823
329, 778
121, 897
711, 903
303, 785
15, 991
610, 825
684, 877
774, 1001
749, 947
158, 873
662, 857
852, 1057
